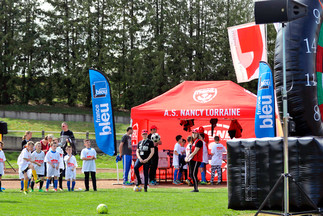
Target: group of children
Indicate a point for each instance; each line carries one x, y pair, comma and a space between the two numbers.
34, 164
215, 156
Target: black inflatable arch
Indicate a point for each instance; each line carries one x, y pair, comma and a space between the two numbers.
301, 45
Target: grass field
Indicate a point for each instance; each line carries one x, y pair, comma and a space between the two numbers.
35, 125
158, 201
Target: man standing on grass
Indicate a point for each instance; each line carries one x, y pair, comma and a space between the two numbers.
125, 151
67, 138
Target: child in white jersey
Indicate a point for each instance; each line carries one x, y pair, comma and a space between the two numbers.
2, 160
52, 159
70, 170
25, 163
38, 156
88, 155
216, 161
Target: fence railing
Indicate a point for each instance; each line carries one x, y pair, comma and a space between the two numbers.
87, 133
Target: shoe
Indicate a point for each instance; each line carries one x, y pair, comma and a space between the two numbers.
127, 183
179, 182
31, 190
175, 182
203, 183
37, 181
61, 189
1, 191
218, 183
40, 190
86, 190
25, 192
46, 190
55, 190
145, 190
195, 191
152, 182
210, 183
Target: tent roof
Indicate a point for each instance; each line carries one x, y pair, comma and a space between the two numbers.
200, 99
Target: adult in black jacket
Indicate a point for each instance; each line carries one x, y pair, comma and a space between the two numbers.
67, 138
145, 151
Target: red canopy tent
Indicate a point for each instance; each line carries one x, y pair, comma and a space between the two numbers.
198, 100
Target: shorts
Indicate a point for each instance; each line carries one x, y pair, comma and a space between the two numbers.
69, 174
202, 165
25, 170
40, 176
52, 171
21, 175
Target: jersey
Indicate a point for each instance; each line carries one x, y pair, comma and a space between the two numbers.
70, 172
88, 165
39, 158
199, 155
22, 163
61, 154
126, 148
52, 157
2, 160
217, 151
177, 148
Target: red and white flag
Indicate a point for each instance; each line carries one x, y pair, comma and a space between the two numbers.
248, 48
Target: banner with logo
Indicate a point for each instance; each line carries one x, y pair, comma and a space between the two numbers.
265, 110
248, 48
102, 112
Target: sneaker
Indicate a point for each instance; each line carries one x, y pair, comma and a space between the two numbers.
152, 182
179, 182
37, 181
40, 190
61, 189
218, 183
46, 190
31, 190
210, 183
127, 183
145, 190
175, 182
203, 183
55, 190
195, 191
25, 192
2, 189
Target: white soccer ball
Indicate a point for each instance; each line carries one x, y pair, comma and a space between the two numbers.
155, 137
137, 188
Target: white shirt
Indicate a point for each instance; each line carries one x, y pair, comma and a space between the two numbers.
71, 163
61, 154
39, 158
88, 165
205, 153
22, 163
217, 151
188, 149
52, 157
2, 160
177, 148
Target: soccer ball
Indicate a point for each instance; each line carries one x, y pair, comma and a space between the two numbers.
155, 137
102, 209
137, 189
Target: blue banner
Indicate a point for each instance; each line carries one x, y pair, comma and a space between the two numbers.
102, 112
265, 125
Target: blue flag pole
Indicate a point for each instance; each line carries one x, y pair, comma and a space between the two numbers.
102, 112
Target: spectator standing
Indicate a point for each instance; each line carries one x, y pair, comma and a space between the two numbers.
125, 151
67, 138
155, 158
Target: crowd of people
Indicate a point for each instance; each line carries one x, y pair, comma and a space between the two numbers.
193, 155
53, 159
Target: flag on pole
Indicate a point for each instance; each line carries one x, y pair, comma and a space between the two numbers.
248, 48
102, 112
265, 121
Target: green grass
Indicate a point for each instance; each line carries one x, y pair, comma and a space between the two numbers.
160, 201
103, 160
36, 125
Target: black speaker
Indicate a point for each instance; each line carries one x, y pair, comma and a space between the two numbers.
3, 127
271, 11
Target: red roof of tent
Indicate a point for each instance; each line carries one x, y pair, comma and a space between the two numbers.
200, 99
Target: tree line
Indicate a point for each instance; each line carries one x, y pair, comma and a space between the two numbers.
145, 47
